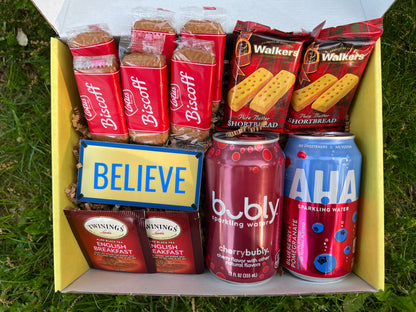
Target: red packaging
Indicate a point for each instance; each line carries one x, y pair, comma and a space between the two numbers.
112, 240
98, 81
193, 65
244, 188
151, 23
264, 65
209, 28
145, 95
92, 40
329, 75
175, 241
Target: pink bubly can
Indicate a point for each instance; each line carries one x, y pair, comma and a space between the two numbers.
244, 187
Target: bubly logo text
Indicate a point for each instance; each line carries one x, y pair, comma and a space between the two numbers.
250, 211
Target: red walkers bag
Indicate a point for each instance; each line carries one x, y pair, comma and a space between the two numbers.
112, 240
193, 65
264, 65
145, 94
205, 24
175, 240
329, 75
98, 80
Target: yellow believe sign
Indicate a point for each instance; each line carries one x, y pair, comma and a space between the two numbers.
138, 175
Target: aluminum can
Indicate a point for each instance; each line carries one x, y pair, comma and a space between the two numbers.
244, 188
322, 183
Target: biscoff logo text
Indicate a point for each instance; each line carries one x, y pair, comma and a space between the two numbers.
106, 118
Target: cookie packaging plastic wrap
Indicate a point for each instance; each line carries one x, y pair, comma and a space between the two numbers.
193, 65
175, 241
329, 75
145, 92
98, 80
264, 66
92, 40
205, 23
153, 23
96, 67
113, 240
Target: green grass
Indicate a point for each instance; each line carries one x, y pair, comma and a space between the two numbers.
26, 255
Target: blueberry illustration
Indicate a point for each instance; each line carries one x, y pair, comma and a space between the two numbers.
318, 227
341, 235
347, 250
354, 217
325, 263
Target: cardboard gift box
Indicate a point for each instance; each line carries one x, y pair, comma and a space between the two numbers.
72, 273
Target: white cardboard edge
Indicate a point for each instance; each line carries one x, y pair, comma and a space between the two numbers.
285, 15
206, 284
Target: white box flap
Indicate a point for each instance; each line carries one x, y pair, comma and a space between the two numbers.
285, 15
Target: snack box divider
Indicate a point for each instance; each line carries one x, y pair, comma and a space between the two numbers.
72, 273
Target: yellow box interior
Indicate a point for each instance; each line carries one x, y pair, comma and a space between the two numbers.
366, 124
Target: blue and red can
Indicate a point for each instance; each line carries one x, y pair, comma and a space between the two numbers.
322, 183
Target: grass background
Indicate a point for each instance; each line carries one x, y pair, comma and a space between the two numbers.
26, 255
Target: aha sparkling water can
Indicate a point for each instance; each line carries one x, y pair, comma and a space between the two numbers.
244, 187
322, 183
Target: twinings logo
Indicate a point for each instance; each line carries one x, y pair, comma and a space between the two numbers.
88, 109
130, 107
175, 97
162, 229
106, 227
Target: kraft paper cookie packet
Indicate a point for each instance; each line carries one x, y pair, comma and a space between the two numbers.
264, 65
329, 75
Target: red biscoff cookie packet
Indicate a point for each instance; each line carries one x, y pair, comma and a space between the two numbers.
330, 73
206, 23
112, 240
144, 82
92, 40
98, 81
264, 66
150, 24
192, 81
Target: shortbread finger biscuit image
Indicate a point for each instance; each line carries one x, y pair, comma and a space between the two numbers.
244, 91
305, 96
335, 93
274, 90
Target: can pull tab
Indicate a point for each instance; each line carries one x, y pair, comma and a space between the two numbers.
246, 129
